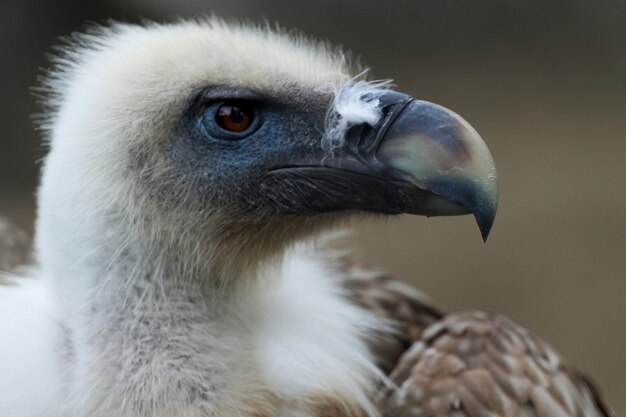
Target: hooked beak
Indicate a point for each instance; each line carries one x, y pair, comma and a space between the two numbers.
419, 158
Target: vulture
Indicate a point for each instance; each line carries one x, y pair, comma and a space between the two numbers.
183, 263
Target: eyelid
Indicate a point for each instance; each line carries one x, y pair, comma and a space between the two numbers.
212, 95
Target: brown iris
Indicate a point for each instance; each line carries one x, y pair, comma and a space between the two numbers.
234, 117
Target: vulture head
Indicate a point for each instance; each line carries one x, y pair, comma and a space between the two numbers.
228, 143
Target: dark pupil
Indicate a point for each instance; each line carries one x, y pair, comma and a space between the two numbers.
236, 115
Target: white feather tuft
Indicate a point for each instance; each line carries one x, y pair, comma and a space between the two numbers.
355, 103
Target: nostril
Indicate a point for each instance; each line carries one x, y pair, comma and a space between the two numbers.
366, 136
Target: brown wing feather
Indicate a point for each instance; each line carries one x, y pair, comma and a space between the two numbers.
407, 310
478, 364
14, 246
469, 364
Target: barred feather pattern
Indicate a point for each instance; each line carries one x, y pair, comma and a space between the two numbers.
470, 364
477, 364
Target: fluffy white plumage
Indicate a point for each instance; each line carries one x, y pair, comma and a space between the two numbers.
289, 363
110, 323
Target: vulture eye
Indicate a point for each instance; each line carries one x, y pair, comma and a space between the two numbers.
230, 119
234, 117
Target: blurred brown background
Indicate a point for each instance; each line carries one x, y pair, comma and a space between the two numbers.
543, 81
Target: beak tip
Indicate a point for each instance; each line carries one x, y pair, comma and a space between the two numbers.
485, 233
485, 221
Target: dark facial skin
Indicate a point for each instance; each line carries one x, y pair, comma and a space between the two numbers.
222, 169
